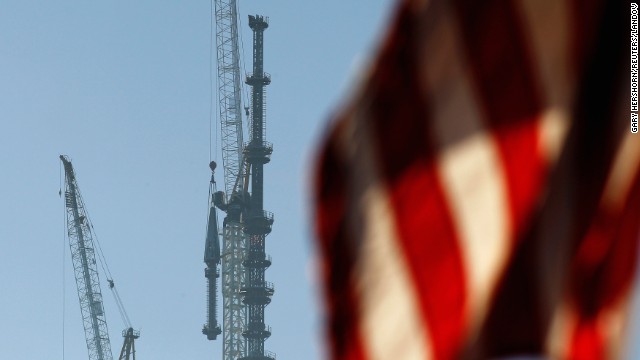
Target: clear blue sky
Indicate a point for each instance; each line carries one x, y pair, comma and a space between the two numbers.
123, 88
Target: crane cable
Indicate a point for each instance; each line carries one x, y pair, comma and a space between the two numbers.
64, 251
95, 242
242, 57
112, 286
211, 102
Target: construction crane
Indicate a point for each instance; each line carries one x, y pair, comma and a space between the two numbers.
83, 256
85, 269
233, 199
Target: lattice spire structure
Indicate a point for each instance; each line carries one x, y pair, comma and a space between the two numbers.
257, 293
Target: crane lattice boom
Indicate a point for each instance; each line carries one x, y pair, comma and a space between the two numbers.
231, 201
79, 230
229, 92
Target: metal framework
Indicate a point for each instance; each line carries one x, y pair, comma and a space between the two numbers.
245, 293
233, 277
128, 351
229, 100
257, 293
233, 273
79, 230
212, 259
233, 252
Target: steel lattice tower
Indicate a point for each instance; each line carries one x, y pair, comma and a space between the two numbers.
257, 293
79, 230
233, 278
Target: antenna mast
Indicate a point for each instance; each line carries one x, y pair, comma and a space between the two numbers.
257, 293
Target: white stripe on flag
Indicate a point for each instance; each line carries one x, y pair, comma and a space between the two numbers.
469, 165
476, 192
390, 323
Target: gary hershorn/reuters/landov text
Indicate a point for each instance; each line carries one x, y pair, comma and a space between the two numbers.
634, 68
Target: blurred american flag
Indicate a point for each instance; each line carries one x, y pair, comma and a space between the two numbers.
479, 197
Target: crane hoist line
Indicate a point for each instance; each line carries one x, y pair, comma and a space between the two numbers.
83, 245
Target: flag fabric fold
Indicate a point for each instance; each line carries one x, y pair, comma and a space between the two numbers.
479, 196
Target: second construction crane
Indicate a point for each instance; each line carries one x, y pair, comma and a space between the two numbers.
83, 256
80, 234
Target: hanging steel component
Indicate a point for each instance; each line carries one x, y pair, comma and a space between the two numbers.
212, 260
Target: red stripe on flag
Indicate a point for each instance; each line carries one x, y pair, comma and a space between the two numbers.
524, 169
428, 238
500, 62
603, 253
620, 267
587, 342
603, 271
406, 155
338, 251
604, 263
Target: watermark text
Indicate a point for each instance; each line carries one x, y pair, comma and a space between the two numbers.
634, 68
